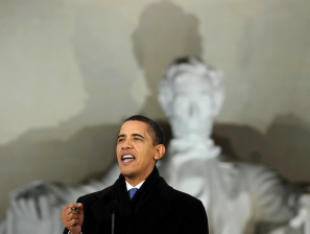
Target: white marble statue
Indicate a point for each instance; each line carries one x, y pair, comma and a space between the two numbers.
236, 195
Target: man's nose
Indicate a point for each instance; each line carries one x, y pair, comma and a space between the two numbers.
126, 145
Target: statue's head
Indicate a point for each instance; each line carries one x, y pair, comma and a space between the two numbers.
191, 95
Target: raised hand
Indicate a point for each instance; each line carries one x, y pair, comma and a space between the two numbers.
72, 217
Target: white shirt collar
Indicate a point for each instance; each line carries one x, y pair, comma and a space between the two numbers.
129, 186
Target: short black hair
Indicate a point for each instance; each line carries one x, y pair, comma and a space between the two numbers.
155, 131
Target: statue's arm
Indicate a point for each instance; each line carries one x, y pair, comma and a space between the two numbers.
274, 198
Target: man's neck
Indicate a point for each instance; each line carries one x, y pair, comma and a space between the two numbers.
135, 180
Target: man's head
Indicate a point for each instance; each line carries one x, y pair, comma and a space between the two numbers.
139, 145
191, 94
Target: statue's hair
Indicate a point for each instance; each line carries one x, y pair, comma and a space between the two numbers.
196, 67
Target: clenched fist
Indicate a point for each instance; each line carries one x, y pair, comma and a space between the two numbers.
72, 217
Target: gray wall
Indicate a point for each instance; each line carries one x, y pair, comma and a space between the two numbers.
72, 70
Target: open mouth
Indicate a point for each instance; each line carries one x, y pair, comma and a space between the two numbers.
127, 158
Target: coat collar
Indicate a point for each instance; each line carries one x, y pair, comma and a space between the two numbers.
148, 207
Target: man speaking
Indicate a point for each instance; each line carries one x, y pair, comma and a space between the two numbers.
140, 201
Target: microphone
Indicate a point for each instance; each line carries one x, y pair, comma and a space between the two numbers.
114, 208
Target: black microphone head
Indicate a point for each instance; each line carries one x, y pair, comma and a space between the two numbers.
114, 207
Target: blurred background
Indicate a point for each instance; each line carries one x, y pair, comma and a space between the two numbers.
72, 70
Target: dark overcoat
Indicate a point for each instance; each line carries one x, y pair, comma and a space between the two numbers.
155, 208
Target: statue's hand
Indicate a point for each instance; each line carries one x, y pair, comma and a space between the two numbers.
31, 189
303, 215
34, 209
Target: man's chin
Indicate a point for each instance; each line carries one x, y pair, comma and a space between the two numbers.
126, 172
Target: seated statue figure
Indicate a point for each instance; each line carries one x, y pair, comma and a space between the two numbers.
237, 195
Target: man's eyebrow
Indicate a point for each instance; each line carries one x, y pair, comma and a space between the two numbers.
122, 135
136, 134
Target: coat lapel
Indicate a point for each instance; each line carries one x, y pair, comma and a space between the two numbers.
101, 211
100, 208
149, 206
150, 211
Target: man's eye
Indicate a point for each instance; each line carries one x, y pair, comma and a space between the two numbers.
121, 139
137, 138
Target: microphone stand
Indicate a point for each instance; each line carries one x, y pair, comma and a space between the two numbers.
113, 221
114, 209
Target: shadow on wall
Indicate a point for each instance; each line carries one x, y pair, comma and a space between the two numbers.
165, 32
93, 147
285, 145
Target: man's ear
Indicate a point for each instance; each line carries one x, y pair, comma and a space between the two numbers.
160, 151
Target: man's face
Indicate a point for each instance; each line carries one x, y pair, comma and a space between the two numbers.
135, 151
